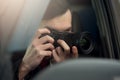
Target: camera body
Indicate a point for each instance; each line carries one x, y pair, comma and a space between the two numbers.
83, 41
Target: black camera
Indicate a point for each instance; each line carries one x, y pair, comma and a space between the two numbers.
83, 41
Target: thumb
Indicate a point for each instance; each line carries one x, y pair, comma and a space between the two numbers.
75, 52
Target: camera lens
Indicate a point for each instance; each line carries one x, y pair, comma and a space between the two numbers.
84, 43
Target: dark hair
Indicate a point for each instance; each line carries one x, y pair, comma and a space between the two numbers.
56, 8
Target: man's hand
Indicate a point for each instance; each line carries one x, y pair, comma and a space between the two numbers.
40, 47
61, 54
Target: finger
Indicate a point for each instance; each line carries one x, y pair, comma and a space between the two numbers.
64, 45
75, 51
59, 51
45, 53
42, 40
45, 39
39, 52
55, 56
47, 46
41, 31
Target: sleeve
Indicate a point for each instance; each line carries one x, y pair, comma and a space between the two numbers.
16, 61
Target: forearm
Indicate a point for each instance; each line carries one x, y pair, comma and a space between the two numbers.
23, 71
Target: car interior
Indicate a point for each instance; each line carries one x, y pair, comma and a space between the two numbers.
102, 49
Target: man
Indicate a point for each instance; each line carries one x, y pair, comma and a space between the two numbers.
43, 46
